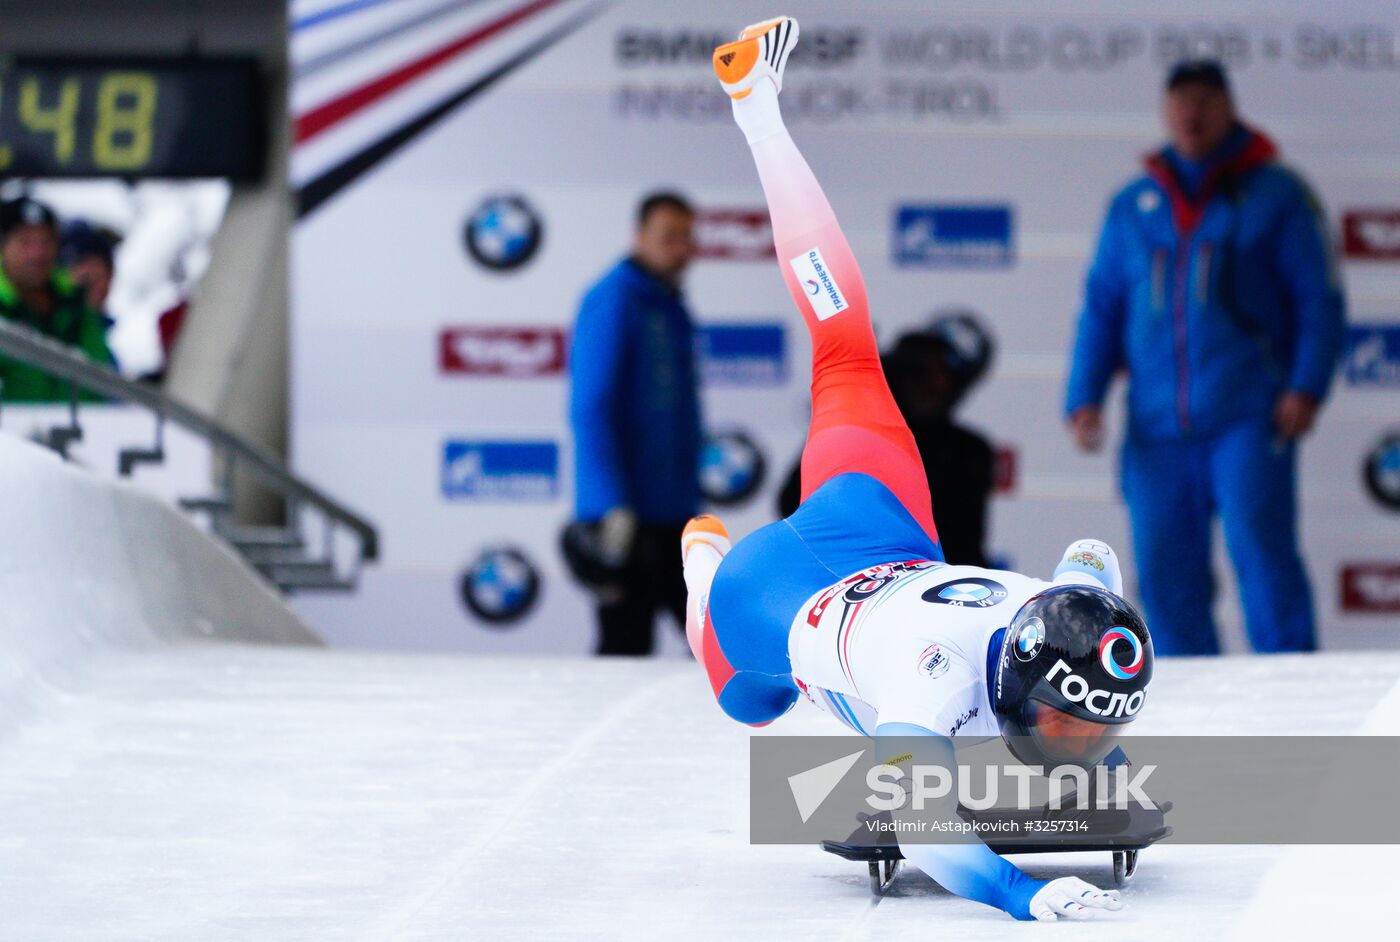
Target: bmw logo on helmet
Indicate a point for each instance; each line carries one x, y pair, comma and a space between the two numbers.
504, 232
1030, 638
1383, 471
501, 586
731, 468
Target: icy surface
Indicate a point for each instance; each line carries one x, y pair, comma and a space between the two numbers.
220, 791
163, 779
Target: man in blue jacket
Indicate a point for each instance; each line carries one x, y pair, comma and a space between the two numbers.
1214, 287
636, 419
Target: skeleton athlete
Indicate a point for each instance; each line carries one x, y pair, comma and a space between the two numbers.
849, 603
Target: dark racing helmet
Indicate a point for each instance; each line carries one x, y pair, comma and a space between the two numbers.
1073, 674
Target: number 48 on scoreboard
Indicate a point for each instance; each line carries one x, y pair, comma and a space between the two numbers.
131, 118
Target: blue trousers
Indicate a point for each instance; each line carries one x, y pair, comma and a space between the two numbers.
1249, 478
852, 522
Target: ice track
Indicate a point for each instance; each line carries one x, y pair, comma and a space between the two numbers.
156, 784
233, 792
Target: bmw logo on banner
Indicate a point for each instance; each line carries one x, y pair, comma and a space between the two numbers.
1383, 471
503, 233
501, 587
731, 468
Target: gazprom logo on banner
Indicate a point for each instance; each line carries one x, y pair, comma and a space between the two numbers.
953, 236
506, 471
1373, 355
742, 354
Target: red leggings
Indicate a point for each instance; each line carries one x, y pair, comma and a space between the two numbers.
856, 426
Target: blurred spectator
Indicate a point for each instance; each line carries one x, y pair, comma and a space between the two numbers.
636, 420
35, 292
1215, 287
86, 252
930, 372
165, 228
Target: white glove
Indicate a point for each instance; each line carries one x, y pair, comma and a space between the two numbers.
615, 535
1071, 898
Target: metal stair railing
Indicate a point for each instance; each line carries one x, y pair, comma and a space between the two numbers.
278, 552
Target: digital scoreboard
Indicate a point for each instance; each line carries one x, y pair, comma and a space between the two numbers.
125, 117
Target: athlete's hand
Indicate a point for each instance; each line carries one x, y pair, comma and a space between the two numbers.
1294, 414
1086, 425
1071, 898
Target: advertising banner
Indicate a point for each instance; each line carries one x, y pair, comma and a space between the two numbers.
465, 171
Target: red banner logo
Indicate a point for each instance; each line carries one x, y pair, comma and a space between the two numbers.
734, 235
1371, 233
502, 351
1371, 588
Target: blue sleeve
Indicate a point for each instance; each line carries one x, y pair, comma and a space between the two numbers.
595, 372
1306, 263
972, 870
1098, 342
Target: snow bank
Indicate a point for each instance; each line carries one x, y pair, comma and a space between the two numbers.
88, 565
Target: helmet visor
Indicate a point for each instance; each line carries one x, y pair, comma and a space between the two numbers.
1061, 736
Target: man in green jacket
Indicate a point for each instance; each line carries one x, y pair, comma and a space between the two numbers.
35, 292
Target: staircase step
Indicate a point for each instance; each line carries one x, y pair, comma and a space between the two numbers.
246, 537
311, 585
305, 575
297, 570
129, 458
266, 554
215, 505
